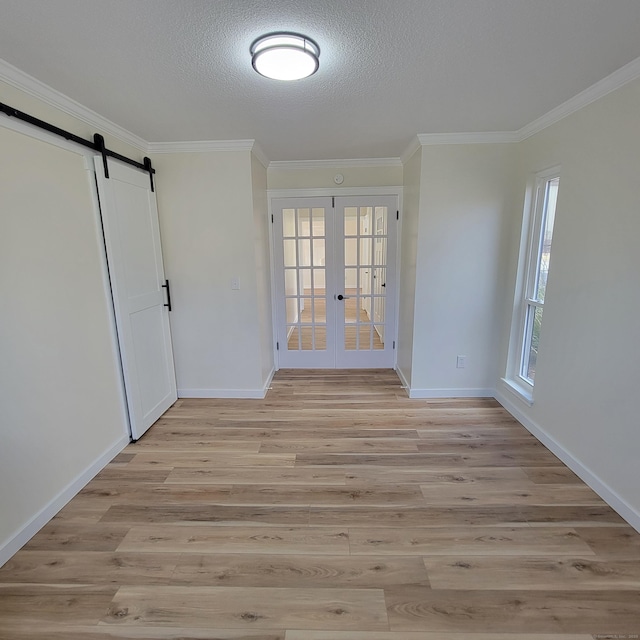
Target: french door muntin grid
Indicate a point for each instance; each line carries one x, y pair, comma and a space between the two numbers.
364, 266
332, 300
304, 251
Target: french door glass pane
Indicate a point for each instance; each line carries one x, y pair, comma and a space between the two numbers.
365, 256
304, 223
305, 310
307, 338
290, 282
350, 279
289, 223
304, 281
350, 251
304, 253
351, 221
378, 337
381, 221
364, 284
291, 308
319, 281
320, 310
365, 337
318, 252
365, 221
365, 252
304, 245
318, 222
290, 256
366, 306
350, 309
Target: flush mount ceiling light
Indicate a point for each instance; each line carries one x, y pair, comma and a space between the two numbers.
285, 56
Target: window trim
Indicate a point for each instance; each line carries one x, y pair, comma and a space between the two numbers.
534, 217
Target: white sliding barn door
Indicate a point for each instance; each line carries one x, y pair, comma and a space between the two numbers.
132, 238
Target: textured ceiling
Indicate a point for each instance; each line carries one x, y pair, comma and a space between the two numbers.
179, 70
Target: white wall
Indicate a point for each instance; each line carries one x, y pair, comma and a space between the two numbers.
209, 237
589, 360
292, 177
461, 253
61, 406
408, 257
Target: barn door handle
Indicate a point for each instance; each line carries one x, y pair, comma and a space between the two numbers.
168, 302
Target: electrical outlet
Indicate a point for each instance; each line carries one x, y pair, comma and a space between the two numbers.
461, 362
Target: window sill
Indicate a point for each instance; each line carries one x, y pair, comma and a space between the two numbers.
519, 390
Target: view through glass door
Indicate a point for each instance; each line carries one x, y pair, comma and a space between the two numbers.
335, 281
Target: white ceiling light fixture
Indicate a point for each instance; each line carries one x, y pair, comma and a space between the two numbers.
285, 56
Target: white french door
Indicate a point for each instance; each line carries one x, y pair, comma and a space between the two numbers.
132, 237
335, 288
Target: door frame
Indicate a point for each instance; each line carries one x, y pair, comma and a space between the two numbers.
336, 192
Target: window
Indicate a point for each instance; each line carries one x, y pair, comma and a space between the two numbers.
532, 284
538, 270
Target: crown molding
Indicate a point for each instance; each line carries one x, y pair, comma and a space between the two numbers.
207, 146
617, 79
201, 146
413, 146
431, 139
353, 163
34, 87
260, 155
476, 137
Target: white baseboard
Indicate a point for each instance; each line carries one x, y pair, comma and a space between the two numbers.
229, 393
617, 503
403, 379
451, 393
267, 384
23, 535
221, 393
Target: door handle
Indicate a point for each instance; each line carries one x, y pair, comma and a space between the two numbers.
168, 302
341, 297
384, 284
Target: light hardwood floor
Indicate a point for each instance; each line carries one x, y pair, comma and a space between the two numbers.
335, 509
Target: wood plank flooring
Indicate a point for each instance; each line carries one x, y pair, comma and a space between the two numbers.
335, 509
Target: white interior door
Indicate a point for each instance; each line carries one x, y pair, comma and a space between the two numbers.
132, 237
365, 259
335, 281
304, 287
